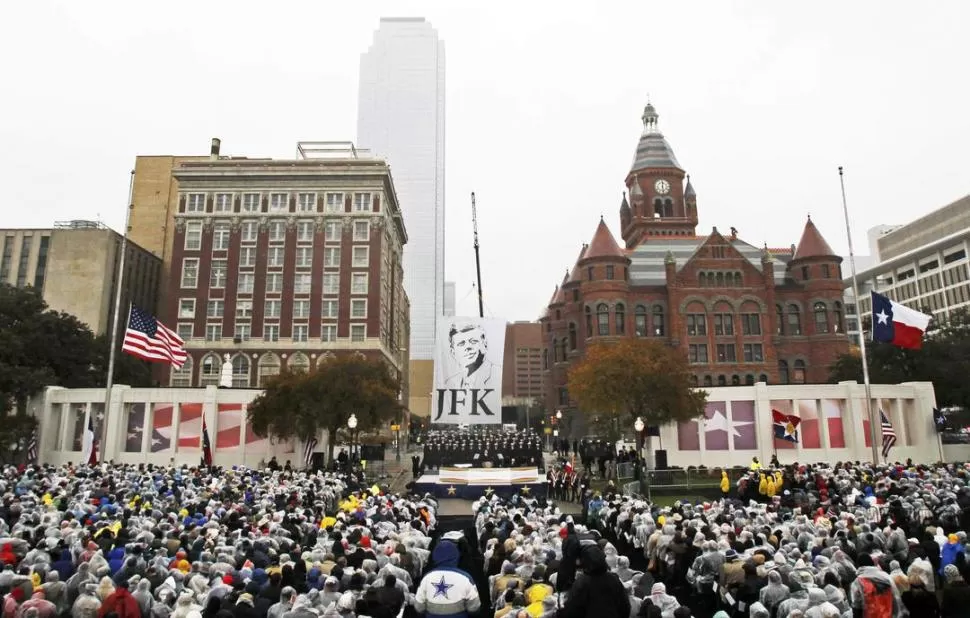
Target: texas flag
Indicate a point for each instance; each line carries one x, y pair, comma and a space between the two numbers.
786, 426
897, 324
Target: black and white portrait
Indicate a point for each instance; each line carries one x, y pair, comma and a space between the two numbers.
468, 371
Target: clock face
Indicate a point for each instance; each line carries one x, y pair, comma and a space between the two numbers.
662, 186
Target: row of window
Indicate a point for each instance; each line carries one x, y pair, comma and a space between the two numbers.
275, 202
722, 380
720, 279
272, 309
275, 232
723, 324
246, 281
271, 332
789, 322
697, 353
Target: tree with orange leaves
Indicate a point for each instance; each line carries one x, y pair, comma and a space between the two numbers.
635, 378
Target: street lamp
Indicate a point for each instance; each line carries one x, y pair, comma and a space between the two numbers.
638, 425
559, 415
352, 425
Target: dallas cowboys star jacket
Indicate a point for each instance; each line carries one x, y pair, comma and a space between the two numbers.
446, 590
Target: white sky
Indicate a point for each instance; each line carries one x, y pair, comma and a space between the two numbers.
761, 101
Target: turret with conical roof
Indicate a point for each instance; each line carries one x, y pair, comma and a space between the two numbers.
625, 212
812, 245
813, 260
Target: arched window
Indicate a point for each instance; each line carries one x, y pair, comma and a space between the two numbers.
735, 380
210, 370
763, 378
640, 321
572, 335
658, 321
182, 377
620, 317
323, 358
821, 318
269, 366
602, 319
658, 207
798, 372
708, 381
783, 377
298, 363
668, 208
589, 323
693, 380
721, 380
240, 371
702, 280
837, 326
555, 350
562, 349
738, 280
749, 380
720, 280
779, 320
794, 320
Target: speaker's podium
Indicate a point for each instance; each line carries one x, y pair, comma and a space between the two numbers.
464, 482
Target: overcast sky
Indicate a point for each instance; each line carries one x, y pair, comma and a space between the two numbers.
760, 101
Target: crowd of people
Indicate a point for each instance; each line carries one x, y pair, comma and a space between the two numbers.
482, 448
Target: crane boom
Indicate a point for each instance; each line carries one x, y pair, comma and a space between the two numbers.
478, 264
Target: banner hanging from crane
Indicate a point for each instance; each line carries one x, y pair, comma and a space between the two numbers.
468, 371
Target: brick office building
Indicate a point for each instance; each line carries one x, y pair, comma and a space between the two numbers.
739, 313
279, 263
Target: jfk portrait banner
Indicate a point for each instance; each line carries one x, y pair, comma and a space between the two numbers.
468, 371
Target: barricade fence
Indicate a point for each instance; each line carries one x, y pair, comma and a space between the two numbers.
682, 480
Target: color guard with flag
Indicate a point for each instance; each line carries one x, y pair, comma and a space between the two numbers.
888, 434
206, 445
150, 340
311, 445
897, 324
89, 445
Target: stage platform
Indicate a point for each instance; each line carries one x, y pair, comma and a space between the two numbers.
473, 483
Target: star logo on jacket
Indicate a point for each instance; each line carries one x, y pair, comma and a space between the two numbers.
452, 490
441, 588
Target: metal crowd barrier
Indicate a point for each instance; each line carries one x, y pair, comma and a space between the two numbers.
683, 480
625, 470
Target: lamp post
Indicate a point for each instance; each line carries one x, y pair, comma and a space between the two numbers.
352, 425
638, 426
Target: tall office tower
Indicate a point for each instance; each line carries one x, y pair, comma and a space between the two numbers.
401, 118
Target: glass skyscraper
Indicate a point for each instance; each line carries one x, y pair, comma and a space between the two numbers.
401, 117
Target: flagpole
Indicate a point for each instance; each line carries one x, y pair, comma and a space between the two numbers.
119, 283
862, 334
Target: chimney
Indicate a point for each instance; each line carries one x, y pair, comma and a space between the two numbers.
214, 149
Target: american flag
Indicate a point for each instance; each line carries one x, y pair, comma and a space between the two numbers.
308, 452
888, 435
150, 340
32, 447
206, 445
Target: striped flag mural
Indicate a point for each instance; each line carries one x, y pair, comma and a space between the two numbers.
833, 410
809, 432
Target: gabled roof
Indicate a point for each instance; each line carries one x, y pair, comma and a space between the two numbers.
603, 244
812, 244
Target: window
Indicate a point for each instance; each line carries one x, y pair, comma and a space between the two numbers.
749, 380
589, 323
301, 283
609, 271
753, 353
242, 332
215, 309
213, 332
244, 309
696, 325
620, 313
210, 370
190, 272
274, 283
240, 371
798, 372
301, 332
697, 353
750, 324
185, 330
249, 231
602, 320
246, 283
721, 380
361, 257
335, 202
726, 353
640, 321
328, 309
658, 321
193, 235
563, 396
763, 378
331, 257
821, 318
572, 336
708, 381
331, 284
307, 202
361, 231
277, 230
837, 325
328, 332
274, 257
301, 309
804, 273
826, 271
277, 202
182, 376
794, 320
186, 308
735, 380
780, 319
362, 202
358, 283
223, 202
358, 308
271, 332
723, 324
220, 236
195, 202
358, 332
271, 308
331, 231
250, 202
304, 257
304, 231
217, 274
589, 272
